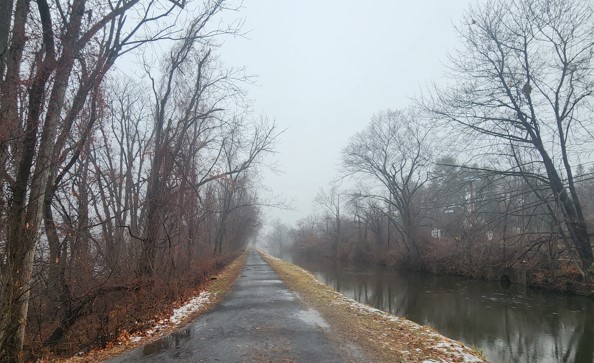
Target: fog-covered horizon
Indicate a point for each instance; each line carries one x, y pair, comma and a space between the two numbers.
325, 68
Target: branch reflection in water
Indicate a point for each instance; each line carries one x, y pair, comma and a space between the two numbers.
507, 322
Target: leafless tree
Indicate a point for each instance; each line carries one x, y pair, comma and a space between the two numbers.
392, 152
524, 86
53, 57
278, 239
176, 114
329, 202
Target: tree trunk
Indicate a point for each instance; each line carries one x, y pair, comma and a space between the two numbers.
6, 7
16, 288
5, 20
146, 266
574, 220
57, 289
17, 270
83, 265
24, 218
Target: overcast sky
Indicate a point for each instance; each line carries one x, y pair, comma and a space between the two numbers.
325, 67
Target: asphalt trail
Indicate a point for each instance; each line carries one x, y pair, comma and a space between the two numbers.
261, 320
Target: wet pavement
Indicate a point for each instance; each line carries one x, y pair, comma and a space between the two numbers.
261, 320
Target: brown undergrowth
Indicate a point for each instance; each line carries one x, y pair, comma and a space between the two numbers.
386, 337
132, 333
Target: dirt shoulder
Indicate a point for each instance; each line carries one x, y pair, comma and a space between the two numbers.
206, 297
386, 337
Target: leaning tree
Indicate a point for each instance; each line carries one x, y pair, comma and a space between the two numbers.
522, 86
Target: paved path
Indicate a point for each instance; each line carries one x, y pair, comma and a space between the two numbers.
259, 321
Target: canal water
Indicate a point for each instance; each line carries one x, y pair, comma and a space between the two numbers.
508, 323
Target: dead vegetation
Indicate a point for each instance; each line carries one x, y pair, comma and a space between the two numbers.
139, 333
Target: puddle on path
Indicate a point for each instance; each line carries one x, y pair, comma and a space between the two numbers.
312, 317
171, 341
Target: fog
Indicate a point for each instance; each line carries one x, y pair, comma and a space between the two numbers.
325, 67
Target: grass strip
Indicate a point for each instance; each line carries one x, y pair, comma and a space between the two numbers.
386, 337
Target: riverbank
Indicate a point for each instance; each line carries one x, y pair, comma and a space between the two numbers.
387, 337
205, 298
487, 315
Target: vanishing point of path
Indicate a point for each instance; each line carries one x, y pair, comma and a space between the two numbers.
259, 321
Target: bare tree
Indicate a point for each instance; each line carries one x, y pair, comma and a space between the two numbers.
524, 86
330, 203
391, 152
89, 179
196, 138
55, 57
176, 114
278, 239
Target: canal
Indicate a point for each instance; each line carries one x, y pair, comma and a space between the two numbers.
507, 323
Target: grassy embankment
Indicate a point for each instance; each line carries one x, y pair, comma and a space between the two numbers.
386, 337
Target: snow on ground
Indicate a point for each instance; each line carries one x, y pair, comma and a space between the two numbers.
190, 307
450, 346
177, 316
446, 345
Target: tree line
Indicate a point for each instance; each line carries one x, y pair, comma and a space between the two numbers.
492, 172
120, 191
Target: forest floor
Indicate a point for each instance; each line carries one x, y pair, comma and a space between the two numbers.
387, 337
206, 297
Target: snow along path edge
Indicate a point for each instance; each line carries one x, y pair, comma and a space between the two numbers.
176, 317
453, 349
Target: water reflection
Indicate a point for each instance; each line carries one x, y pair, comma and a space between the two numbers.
168, 342
508, 323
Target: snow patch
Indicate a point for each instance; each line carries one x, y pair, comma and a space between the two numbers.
452, 346
177, 316
191, 306
446, 345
